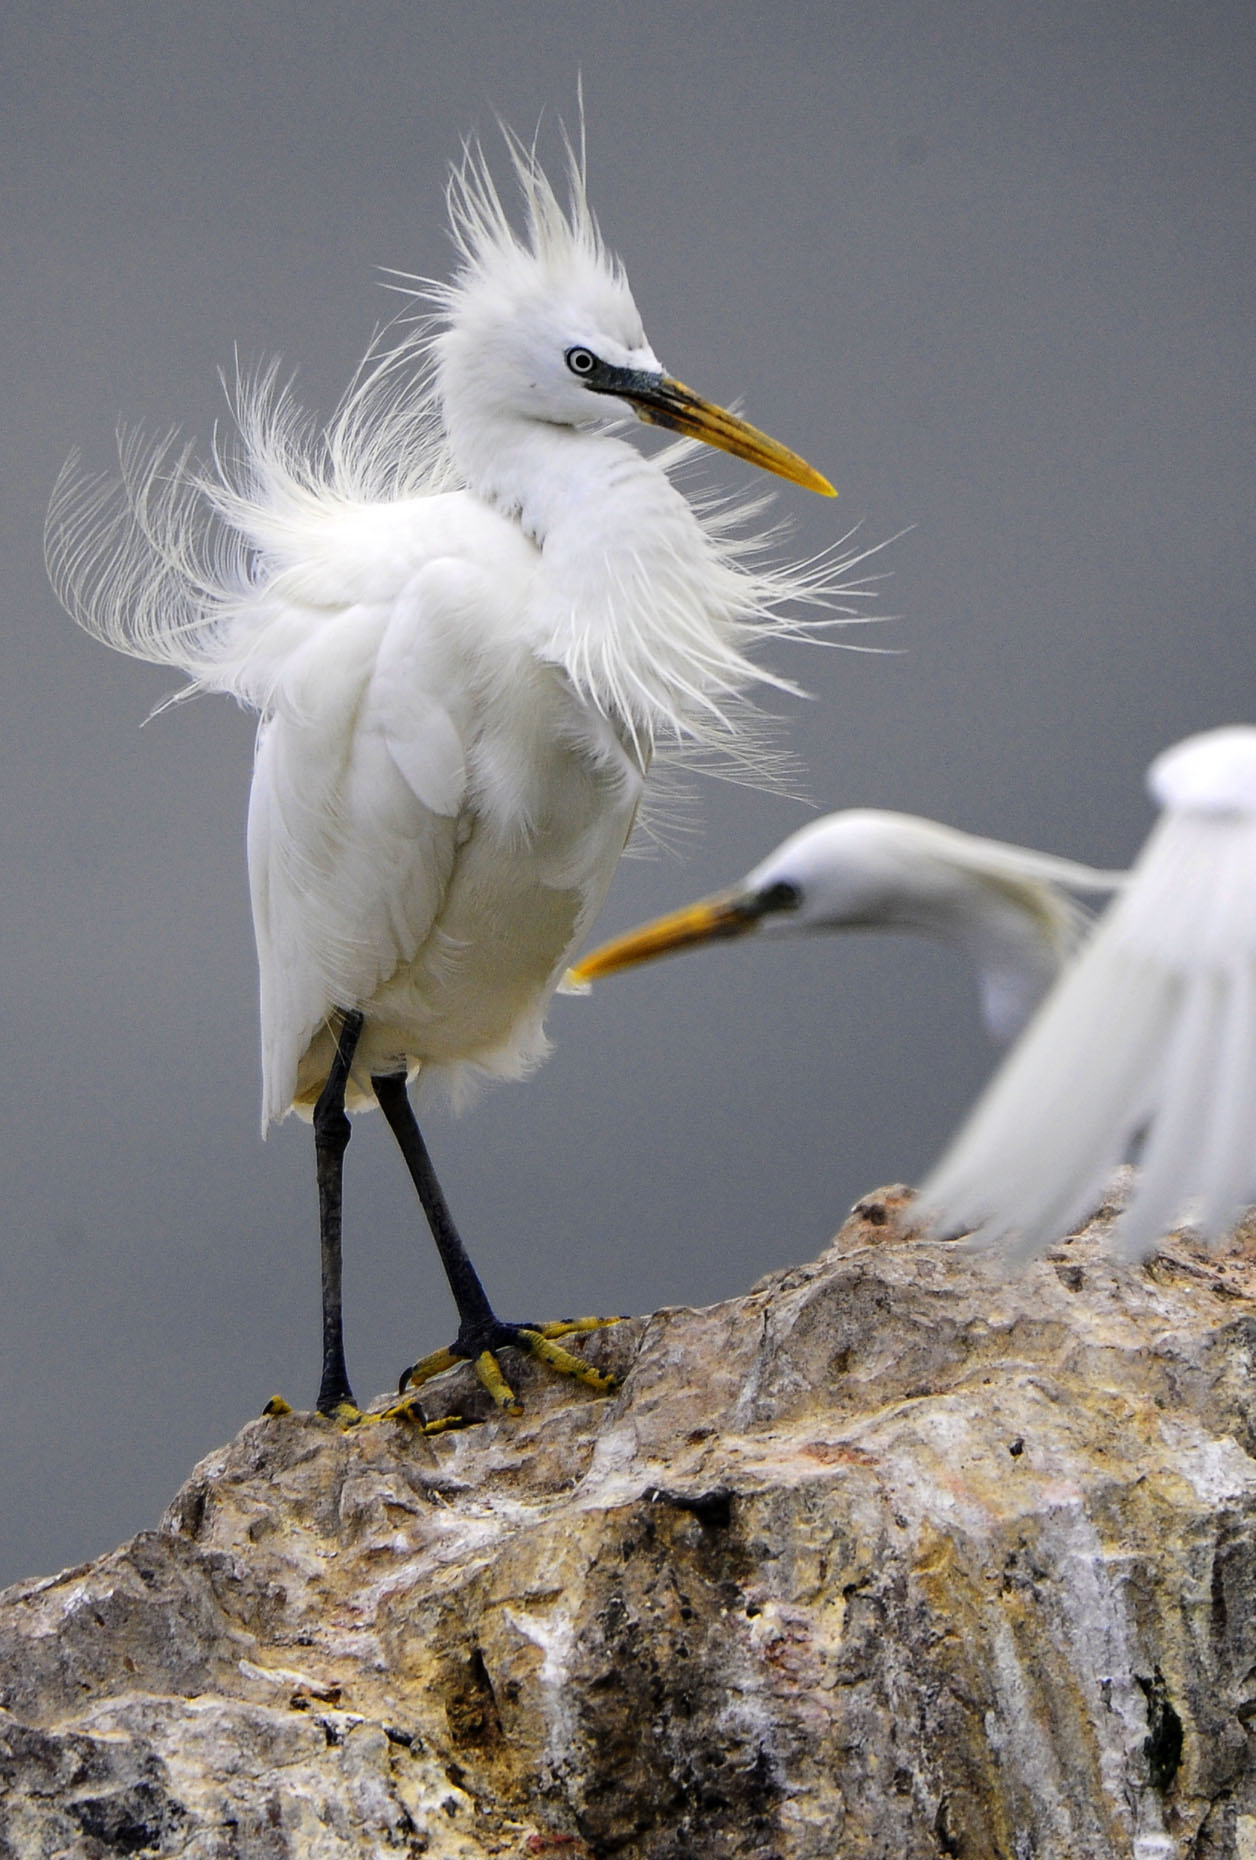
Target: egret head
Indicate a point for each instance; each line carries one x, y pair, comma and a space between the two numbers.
765, 897
540, 324
860, 868
521, 300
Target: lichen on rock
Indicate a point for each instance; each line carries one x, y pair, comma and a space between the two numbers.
893, 1558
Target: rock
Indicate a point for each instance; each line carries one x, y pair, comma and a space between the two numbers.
891, 1558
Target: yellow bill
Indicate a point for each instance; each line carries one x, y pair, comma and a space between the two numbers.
665, 402
727, 914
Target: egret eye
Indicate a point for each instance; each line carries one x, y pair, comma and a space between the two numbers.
784, 895
581, 361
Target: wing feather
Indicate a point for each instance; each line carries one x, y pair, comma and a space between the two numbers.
360, 779
1152, 1029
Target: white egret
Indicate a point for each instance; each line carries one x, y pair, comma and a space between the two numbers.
1005, 907
1151, 1031
467, 615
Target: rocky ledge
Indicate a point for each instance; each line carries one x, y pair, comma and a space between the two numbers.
891, 1558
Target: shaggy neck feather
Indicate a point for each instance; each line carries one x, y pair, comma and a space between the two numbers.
634, 601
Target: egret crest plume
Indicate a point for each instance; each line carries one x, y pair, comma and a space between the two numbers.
165, 560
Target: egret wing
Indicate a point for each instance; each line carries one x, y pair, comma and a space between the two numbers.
1152, 1029
1024, 924
354, 821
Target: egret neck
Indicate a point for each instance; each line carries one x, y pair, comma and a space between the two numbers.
632, 601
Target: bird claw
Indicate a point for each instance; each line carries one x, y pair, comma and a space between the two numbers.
427, 1367
408, 1410
539, 1343
489, 1373
538, 1340
346, 1415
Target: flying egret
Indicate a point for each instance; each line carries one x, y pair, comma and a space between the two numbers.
1005, 907
467, 615
1151, 1030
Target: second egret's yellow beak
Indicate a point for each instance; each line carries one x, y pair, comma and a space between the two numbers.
729, 913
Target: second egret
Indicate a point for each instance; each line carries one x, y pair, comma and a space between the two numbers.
1007, 908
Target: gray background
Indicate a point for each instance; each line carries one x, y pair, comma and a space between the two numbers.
989, 266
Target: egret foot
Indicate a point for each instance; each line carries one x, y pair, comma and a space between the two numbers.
346, 1415
481, 1333
479, 1343
408, 1409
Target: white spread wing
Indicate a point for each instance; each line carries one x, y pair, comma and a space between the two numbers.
1152, 1029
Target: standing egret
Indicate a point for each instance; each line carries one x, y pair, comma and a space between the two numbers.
1005, 907
1151, 1030
466, 614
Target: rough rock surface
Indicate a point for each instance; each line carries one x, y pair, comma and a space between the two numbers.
891, 1558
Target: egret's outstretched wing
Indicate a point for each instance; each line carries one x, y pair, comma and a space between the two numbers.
1152, 1029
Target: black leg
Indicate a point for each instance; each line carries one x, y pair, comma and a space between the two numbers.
474, 1310
331, 1138
481, 1333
